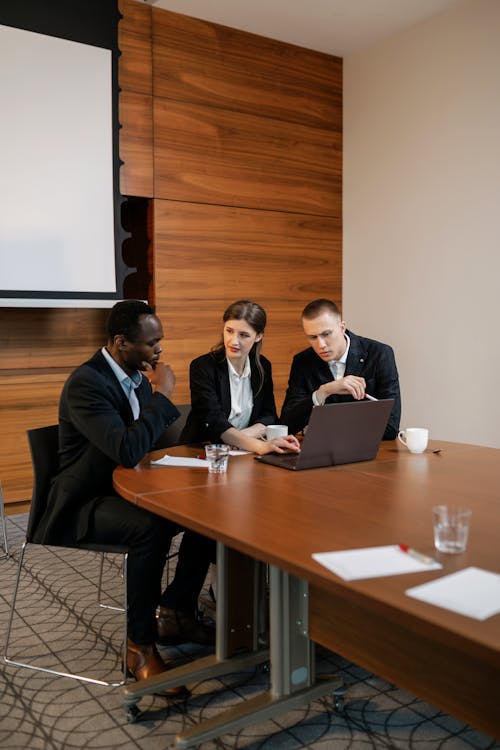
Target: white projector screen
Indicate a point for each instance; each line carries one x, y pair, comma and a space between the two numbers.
56, 177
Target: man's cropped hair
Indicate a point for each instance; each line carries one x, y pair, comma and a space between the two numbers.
124, 318
318, 306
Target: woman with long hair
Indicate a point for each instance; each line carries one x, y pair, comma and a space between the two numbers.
232, 398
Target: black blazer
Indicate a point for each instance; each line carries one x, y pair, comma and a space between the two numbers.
97, 432
367, 358
211, 398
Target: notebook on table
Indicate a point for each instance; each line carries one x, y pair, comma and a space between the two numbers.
338, 434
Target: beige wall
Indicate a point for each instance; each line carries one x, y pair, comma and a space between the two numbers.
421, 215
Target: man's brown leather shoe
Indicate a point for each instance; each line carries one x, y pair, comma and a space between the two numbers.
181, 627
144, 662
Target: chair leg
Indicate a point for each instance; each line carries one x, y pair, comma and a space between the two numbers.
99, 587
13, 605
56, 672
125, 616
3, 522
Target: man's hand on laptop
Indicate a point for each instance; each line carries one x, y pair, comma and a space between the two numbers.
350, 385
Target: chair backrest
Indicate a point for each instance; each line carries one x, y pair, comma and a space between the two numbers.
173, 432
44, 445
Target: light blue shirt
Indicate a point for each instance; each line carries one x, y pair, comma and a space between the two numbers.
128, 382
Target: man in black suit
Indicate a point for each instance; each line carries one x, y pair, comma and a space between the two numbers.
111, 414
338, 366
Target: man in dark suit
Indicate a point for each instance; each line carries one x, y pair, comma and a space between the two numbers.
111, 414
338, 366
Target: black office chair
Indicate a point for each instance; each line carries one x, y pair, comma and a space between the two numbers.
43, 444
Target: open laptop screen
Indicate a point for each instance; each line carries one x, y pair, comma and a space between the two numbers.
338, 434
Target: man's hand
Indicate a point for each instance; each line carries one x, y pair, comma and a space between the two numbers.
162, 378
351, 385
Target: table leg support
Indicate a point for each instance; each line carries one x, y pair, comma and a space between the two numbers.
292, 666
262, 707
236, 642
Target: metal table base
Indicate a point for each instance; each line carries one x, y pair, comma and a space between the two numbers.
291, 654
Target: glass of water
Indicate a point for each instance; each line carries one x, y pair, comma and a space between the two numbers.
451, 528
217, 456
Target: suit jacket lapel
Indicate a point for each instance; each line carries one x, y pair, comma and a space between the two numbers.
105, 369
225, 390
356, 357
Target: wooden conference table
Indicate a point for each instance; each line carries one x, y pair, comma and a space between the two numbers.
281, 517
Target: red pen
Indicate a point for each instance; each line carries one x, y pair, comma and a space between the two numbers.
417, 555
203, 457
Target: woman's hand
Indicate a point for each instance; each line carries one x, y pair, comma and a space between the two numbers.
286, 444
249, 442
257, 430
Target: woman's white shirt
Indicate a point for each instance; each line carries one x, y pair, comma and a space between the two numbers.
241, 396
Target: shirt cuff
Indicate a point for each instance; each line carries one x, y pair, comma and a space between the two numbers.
317, 400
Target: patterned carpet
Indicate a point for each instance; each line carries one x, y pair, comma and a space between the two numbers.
65, 629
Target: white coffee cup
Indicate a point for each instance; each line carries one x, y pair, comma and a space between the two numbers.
414, 438
276, 430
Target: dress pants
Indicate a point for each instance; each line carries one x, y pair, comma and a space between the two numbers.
148, 537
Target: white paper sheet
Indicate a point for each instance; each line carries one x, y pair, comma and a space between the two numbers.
372, 562
472, 592
167, 460
199, 463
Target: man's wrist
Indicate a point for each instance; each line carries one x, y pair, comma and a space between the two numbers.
318, 397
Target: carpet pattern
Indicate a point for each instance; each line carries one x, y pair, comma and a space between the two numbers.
59, 625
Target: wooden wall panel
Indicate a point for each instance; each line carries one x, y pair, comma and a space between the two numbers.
48, 340
248, 185
136, 144
40, 348
135, 76
208, 256
210, 155
28, 400
213, 65
135, 44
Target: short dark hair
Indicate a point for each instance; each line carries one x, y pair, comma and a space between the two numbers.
317, 306
124, 318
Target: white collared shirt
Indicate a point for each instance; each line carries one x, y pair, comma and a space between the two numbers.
337, 368
241, 396
128, 382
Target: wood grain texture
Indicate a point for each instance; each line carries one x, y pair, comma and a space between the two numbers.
210, 155
136, 144
431, 665
48, 339
282, 518
208, 256
135, 71
209, 64
28, 400
135, 76
40, 348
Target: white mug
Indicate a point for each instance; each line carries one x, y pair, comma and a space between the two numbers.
276, 430
414, 438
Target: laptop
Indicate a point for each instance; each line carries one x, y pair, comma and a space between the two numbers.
338, 434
